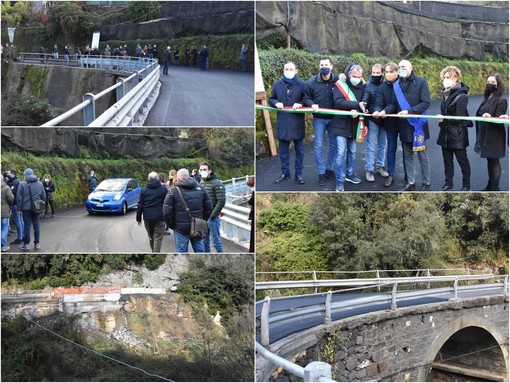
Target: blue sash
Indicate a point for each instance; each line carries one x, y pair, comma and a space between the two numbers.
417, 123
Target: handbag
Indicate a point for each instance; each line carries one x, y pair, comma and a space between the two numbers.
39, 206
199, 229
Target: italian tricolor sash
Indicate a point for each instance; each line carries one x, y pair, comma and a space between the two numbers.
361, 131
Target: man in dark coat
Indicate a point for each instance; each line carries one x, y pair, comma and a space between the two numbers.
174, 210
150, 205
344, 127
168, 55
31, 185
18, 220
416, 91
288, 92
317, 94
216, 191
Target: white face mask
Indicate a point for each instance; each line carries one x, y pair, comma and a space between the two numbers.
289, 75
204, 174
46, 180
355, 81
402, 73
448, 83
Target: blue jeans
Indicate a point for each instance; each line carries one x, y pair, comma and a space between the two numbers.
245, 65
320, 127
5, 230
181, 243
345, 146
214, 229
18, 221
283, 148
28, 218
376, 136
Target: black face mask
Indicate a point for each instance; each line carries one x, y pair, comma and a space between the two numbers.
491, 88
377, 79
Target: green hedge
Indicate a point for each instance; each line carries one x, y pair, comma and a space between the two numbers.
474, 73
224, 50
70, 174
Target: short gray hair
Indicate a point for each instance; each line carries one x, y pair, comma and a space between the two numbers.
153, 176
355, 67
182, 173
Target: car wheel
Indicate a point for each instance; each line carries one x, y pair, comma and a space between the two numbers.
124, 208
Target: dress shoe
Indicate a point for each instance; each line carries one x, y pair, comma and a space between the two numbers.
322, 179
282, 178
409, 187
382, 172
388, 182
425, 187
300, 180
446, 188
330, 175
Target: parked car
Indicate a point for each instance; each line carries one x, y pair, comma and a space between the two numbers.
115, 195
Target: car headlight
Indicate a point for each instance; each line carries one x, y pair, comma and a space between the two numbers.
117, 197
89, 197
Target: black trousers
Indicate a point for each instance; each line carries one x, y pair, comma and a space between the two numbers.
449, 167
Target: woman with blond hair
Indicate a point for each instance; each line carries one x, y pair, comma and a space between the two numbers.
453, 134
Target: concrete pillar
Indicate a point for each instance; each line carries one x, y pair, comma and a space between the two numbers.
316, 370
264, 323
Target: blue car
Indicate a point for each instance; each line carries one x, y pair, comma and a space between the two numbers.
114, 195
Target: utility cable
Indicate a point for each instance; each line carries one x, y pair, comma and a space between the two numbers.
98, 353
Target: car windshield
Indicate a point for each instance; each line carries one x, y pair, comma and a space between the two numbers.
111, 185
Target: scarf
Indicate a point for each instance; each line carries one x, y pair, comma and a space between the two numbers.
361, 130
416, 122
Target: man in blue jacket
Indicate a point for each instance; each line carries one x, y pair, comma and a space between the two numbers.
413, 97
288, 92
150, 205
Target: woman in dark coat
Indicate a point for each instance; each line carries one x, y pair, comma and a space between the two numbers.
453, 134
49, 188
491, 137
288, 92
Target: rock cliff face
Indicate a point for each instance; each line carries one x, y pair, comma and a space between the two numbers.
62, 87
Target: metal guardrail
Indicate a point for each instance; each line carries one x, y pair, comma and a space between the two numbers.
235, 224
327, 307
236, 190
132, 92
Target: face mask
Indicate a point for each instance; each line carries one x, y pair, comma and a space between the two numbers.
377, 79
491, 88
447, 83
355, 81
46, 180
204, 174
325, 71
402, 73
289, 75
391, 77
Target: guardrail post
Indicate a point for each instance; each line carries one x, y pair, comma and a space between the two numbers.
455, 288
264, 323
327, 316
316, 370
378, 276
505, 285
394, 297
428, 275
89, 112
120, 89
315, 281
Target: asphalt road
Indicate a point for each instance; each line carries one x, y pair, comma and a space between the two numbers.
268, 169
298, 323
75, 231
191, 97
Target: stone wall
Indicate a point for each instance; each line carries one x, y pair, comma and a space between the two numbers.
395, 345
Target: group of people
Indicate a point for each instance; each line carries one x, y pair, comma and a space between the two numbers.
171, 204
191, 56
390, 89
17, 203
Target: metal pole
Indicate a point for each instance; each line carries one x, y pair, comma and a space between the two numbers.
120, 90
505, 286
327, 316
455, 288
316, 371
315, 281
428, 275
264, 323
89, 112
377, 275
394, 297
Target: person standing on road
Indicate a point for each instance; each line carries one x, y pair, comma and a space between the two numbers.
150, 206
167, 57
376, 136
413, 97
55, 52
490, 137
317, 93
243, 56
288, 92
453, 134
386, 103
49, 188
13, 183
176, 216
177, 57
216, 191
92, 181
347, 96
29, 191
7, 201
107, 50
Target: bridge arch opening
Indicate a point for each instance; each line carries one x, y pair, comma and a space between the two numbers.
470, 349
